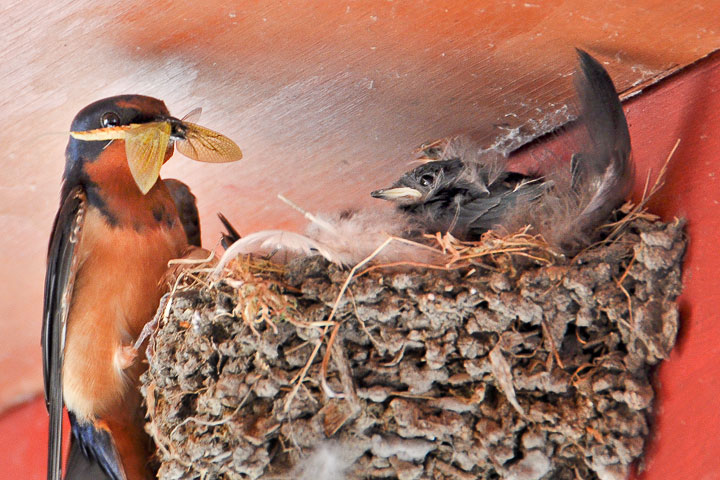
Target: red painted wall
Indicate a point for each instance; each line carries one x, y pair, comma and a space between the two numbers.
686, 440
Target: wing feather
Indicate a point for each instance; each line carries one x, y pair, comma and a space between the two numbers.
62, 265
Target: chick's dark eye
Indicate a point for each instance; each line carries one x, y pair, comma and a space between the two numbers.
427, 180
110, 119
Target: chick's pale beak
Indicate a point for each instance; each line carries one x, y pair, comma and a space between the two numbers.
397, 193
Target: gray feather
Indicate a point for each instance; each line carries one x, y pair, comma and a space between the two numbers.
601, 175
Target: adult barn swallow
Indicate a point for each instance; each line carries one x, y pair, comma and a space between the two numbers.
468, 195
113, 235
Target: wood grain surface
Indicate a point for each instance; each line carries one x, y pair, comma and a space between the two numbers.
327, 100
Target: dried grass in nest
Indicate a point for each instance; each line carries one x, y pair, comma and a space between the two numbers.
505, 361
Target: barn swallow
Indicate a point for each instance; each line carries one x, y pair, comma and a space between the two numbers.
468, 195
457, 196
115, 231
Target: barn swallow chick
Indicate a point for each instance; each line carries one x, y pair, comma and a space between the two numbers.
468, 195
115, 231
461, 197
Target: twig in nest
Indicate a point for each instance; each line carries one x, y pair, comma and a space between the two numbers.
363, 327
576, 373
629, 302
551, 341
301, 377
296, 347
326, 359
412, 395
398, 357
637, 210
333, 335
192, 261
409, 264
416, 244
627, 269
260, 300
595, 435
502, 372
447, 242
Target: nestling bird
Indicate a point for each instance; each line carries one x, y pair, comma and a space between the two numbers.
464, 197
115, 231
468, 195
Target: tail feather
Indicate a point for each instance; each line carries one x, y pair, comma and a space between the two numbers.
81, 467
606, 169
92, 454
601, 175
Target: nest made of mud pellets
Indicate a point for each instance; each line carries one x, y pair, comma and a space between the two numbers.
505, 368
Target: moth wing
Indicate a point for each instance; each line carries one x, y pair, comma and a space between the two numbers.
145, 147
205, 145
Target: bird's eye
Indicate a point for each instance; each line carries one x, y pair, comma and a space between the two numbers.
110, 119
427, 180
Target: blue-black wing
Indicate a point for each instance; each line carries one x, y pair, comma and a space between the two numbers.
92, 452
62, 264
187, 210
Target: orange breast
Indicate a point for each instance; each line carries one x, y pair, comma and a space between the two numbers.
117, 291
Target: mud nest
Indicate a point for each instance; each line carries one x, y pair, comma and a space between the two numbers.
510, 365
